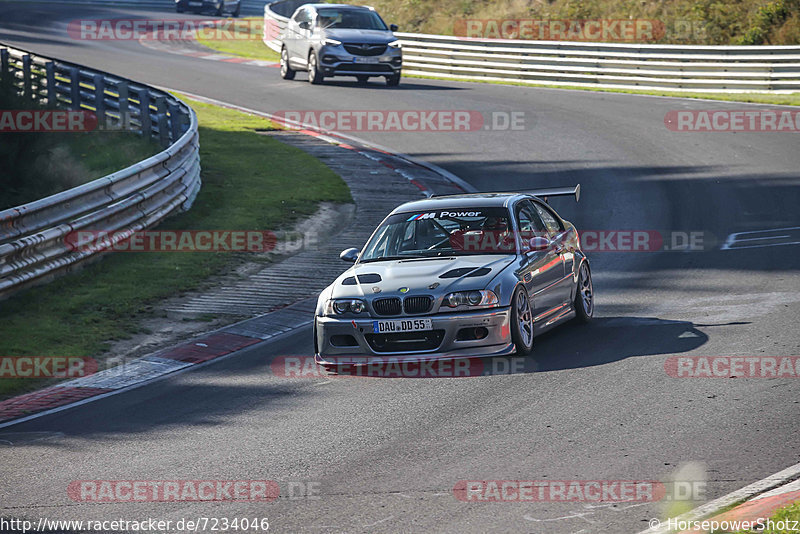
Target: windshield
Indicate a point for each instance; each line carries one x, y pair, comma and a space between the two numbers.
349, 18
451, 232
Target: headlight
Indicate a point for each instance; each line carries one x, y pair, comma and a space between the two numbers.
332, 42
396, 44
342, 306
471, 298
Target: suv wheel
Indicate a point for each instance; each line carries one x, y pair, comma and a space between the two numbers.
286, 71
315, 75
393, 80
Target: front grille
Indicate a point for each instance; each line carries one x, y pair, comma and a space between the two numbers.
417, 304
365, 49
389, 306
406, 341
364, 67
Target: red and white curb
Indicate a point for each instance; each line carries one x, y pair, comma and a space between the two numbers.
122, 377
365, 148
171, 46
762, 499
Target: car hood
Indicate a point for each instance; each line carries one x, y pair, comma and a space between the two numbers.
417, 276
347, 35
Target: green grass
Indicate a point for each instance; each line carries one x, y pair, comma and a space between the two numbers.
250, 181
247, 44
790, 513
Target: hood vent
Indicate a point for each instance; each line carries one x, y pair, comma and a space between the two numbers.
372, 278
466, 271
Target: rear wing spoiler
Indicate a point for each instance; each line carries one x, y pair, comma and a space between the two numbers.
557, 192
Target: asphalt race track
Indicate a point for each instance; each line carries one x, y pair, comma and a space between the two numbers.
596, 402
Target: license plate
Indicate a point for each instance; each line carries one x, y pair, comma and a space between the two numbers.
366, 60
195, 4
404, 325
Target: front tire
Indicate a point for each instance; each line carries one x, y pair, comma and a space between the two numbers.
220, 8
178, 8
584, 295
315, 76
521, 322
286, 71
393, 80
238, 10
362, 78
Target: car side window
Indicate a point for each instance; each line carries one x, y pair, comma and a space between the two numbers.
530, 224
304, 15
552, 223
528, 219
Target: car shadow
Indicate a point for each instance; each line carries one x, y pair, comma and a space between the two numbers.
604, 340
378, 83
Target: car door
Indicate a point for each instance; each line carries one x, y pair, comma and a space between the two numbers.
557, 233
542, 270
298, 33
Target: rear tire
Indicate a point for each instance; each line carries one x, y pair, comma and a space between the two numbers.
584, 295
286, 71
521, 322
315, 76
393, 80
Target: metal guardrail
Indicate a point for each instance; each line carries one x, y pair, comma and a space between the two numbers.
34, 243
718, 69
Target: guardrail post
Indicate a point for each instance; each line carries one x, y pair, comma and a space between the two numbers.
161, 115
27, 91
100, 99
144, 112
50, 70
124, 114
174, 121
75, 88
4, 65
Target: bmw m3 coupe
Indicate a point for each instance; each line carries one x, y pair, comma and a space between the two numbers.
454, 277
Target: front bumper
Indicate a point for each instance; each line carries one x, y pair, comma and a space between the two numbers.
353, 342
336, 61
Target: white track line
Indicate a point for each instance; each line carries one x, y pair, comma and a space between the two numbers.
745, 493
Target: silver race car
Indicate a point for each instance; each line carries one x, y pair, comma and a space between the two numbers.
456, 277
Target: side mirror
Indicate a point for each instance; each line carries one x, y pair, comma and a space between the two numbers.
393, 27
304, 25
539, 243
349, 255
